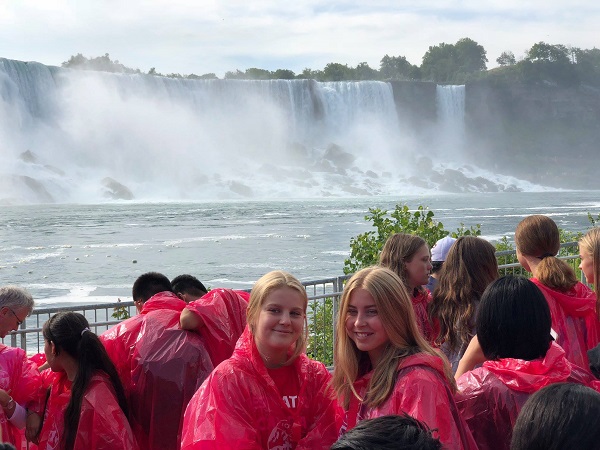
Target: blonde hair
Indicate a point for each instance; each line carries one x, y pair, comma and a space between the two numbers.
399, 249
262, 288
398, 319
590, 244
538, 236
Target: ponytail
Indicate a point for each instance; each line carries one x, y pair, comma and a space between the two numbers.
70, 333
556, 274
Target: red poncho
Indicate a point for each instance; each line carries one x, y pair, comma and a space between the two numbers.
223, 312
423, 392
161, 366
420, 303
102, 423
574, 319
239, 407
491, 397
20, 378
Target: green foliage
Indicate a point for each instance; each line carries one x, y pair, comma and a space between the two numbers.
506, 59
100, 63
121, 312
457, 63
398, 68
320, 330
366, 247
453, 63
593, 220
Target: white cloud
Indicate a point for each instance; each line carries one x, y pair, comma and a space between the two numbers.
215, 36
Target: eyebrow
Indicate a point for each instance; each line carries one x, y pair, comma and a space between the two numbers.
277, 305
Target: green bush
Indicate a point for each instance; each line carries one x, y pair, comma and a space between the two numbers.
320, 329
366, 247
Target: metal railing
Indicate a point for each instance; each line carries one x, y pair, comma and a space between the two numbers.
323, 295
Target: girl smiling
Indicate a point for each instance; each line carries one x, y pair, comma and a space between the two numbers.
268, 395
385, 366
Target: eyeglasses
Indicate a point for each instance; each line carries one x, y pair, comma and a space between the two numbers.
19, 321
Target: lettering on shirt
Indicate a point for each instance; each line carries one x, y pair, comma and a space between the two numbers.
290, 401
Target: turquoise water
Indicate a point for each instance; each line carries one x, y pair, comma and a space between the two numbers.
87, 253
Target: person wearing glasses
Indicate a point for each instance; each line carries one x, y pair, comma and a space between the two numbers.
20, 382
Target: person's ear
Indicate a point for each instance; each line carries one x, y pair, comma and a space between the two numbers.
53, 349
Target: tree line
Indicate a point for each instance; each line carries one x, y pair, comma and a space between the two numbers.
458, 63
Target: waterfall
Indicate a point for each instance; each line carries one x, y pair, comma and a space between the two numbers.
450, 101
84, 136
64, 133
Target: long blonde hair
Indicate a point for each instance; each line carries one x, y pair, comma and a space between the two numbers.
538, 236
398, 319
261, 290
590, 244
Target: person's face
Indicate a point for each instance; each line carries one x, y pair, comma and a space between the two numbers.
419, 268
363, 325
280, 324
587, 266
11, 319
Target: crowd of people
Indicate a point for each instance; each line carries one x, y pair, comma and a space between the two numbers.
433, 351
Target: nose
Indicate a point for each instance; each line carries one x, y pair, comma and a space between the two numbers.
360, 320
285, 318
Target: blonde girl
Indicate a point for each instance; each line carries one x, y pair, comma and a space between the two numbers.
383, 365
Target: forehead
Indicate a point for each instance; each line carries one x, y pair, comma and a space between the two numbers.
286, 296
360, 298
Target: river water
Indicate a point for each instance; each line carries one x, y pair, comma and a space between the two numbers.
75, 254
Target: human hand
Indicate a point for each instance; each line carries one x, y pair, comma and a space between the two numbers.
4, 398
33, 426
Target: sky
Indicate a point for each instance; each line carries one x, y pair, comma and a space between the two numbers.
204, 36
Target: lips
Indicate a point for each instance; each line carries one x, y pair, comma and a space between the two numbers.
283, 331
362, 335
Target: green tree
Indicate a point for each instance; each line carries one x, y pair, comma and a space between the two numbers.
237, 75
398, 68
336, 72
310, 74
363, 72
439, 63
257, 74
542, 52
470, 56
284, 74
452, 63
506, 59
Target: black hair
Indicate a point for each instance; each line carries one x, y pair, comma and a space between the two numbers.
559, 416
149, 284
70, 333
436, 266
188, 284
513, 320
389, 432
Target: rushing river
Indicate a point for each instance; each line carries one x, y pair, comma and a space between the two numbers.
93, 253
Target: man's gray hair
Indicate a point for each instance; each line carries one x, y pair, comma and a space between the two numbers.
15, 297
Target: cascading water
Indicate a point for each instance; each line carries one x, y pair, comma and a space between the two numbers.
450, 101
81, 136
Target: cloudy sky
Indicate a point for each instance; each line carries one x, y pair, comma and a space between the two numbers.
201, 36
